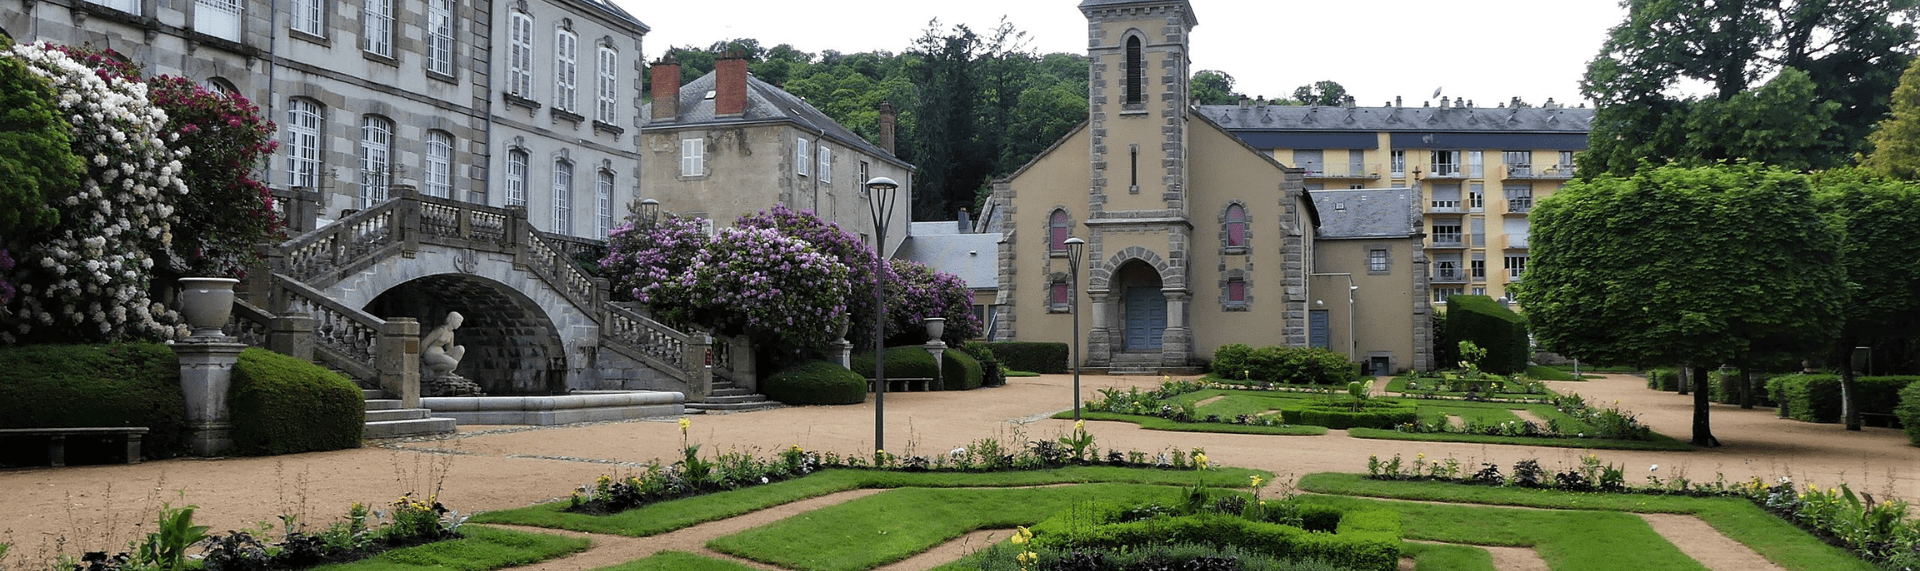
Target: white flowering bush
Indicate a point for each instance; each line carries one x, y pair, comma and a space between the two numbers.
88, 278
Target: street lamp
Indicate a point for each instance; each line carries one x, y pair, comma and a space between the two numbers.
650, 212
882, 194
1075, 247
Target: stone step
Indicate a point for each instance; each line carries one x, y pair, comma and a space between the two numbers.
383, 404
1132, 371
703, 407
397, 414
728, 392
414, 427
371, 394
733, 399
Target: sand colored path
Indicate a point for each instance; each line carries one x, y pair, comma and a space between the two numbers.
95, 507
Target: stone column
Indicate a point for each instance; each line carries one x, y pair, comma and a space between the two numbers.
206, 372
291, 335
1176, 344
699, 370
843, 353
745, 375
1099, 347
397, 357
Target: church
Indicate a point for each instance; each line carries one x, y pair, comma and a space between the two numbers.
1195, 239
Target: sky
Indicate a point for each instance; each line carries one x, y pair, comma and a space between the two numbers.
1485, 50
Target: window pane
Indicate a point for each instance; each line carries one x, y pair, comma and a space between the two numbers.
603, 204
303, 143
1057, 237
376, 159
562, 197
1237, 291
566, 49
440, 36
377, 27
439, 164
516, 177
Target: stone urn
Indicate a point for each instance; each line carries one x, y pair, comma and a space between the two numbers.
936, 327
206, 303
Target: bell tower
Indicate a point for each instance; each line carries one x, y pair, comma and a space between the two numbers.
1138, 103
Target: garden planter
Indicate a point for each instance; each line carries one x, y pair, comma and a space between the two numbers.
206, 303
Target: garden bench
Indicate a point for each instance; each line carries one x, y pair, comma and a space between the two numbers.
1879, 419
57, 439
901, 385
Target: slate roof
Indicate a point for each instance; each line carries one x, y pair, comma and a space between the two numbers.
1350, 213
614, 10
1402, 119
970, 256
765, 103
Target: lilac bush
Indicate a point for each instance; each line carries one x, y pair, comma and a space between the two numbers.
827, 237
778, 290
917, 292
647, 264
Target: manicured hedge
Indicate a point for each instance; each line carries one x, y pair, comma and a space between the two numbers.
914, 362
1493, 327
1724, 383
991, 374
963, 372
1663, 380
283, 405
1285, 365
1031, 357
1339, 415
1909, 411
816, 382
1366, 540
125, 384
1816, 398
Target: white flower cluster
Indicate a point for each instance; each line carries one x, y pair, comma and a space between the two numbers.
91, 278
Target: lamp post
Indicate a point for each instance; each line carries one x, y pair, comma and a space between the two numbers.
650, 212
882, 194
1075, 247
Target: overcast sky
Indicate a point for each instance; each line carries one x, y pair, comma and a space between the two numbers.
1485, 50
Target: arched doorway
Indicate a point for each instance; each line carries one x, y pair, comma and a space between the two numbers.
512, 347
1143, 308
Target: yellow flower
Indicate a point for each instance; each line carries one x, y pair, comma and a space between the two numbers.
1420, 456
1200, 460
684, 423
1255, 481
1080, 425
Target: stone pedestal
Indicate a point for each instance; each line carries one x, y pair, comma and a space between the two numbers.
843, 353
206, 371
938, 348
397, 357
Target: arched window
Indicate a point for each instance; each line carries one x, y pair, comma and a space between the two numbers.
562, 197
517, 177
1058, 229
438, 165
217, 85
305, 121
1136, 72
1236, 226
376, 159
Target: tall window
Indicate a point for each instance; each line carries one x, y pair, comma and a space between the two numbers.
1136, 72
520, 54
1476, 164
1237, 290
440, 36
1566, 162
603, 204
376, 159
566, 52
1377, 260
693, 157
826, 163
217, 18
438, 165
801, 157
609, 84
562, 197
517, 177
1057, 232
376, 27
1399, 163
304, 123
309, 16
1516, 265
1236, 226
1519, 198
1059, 296
1440, 294
1477, 269
1519, 163
1446, 231
1446, 163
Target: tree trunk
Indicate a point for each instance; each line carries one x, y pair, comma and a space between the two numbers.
1684, 374
1746, 387
1849, 413
1702, 430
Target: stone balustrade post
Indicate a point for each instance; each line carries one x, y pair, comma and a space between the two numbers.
699, 370
745, 375
516, 229
206, 372
397, 357
291, 335
406, 219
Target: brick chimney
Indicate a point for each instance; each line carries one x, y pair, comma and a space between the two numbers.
666, 88
887, 118
730, 91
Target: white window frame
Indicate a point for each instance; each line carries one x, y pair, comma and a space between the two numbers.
562, 197
693, 157
1476, 164
376, 27
802, 157
440, 24
376, 159
308, 16
306, 119
1377, 260
1513, 272
603, 204
437, 165
609, 85
1398, 162
128, 6
516, 177
520, 54
826, 162
217, 18
566, 56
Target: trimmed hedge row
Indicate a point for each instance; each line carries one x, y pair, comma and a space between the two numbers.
1816, 398
1033, 357
1284, 365
123, 384
283, 405
1909, 411
1366, 540
1663, 380
1724, 383
1493, 327
962, 371
816, 382
1339, 415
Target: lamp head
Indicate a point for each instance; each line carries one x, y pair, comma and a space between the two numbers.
1075, 247
882, 183
650, 211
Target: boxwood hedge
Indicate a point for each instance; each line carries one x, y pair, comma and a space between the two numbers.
816, 382
1493, 327
1366, 540
1031, 356
284, 405
1909, 411
1816, 397
122, 384
914, 362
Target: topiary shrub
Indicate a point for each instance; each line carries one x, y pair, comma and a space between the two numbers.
1300, 366
1031, 357
962, 371
1365, 540
991, 375
122, 384
1816, 398
1663, 380
816, 382
1908, 411
1230, 361
1340, 415
283, 405
1493, 327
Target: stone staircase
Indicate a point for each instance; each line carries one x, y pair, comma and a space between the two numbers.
726, 397
1135, 364
385, 418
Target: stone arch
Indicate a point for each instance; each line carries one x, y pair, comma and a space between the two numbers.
1100, 277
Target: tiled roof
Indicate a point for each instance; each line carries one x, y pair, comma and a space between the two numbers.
764, 103
1403, 119
615, 11
1367, 212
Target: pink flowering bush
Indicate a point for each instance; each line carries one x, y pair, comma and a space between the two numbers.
827, 237
918, 292
648, 264
231, 210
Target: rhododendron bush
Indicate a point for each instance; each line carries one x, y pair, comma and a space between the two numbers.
918, 292
862, 267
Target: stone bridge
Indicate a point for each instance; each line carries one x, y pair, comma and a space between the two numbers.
357, 294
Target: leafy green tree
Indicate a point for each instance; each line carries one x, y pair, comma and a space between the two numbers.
1326, 92
1879, 222
1781, 123
1701, 266
37, 163
945, 140
1212, 87
1850, 50
1896, 142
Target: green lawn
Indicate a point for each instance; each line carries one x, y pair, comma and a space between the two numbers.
677, 561
482, 549
1399, 385
1567, 540
1446, 557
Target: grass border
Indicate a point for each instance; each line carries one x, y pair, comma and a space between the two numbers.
483, 549
1157, 423
1659, 442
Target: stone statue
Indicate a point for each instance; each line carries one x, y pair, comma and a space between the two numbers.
440, 356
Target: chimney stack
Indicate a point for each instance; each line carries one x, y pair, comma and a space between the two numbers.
730, 85
666, 88
887, 119
966, 226
1396, 101
1444, 101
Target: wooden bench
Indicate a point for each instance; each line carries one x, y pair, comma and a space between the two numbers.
901, 385
1880, 419
57, 439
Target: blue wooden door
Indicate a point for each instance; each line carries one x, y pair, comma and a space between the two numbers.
1146, 318
1319, 332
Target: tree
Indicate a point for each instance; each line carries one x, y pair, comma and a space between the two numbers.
1699, 266
1895, 144
1879, 224
1326, 92
1212, 87
918, 292
36, 160
1850, 50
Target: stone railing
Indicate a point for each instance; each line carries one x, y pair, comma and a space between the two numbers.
249, 324
324, 256
343, 337
660, 346
722, 356
554, 266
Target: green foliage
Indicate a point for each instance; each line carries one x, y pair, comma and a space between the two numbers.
1908, 411
962, 372
1489, 326
1663, 379
37, 164
482, 549
1367, 540
283, 405
1383, 413
1879, 223
166, 548
1895, 141
124, 384
992, 373
1037, 357
677, 561
1230, 361
816, 382
1816, 398
1300, 366
1325, 93
1545, 373
1211, 87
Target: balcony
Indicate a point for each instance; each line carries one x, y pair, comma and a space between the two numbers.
1449, 277
1443, 207
1520, 206
1349, 171
1527, 172
1516, 242
1445, 171
1448, 241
